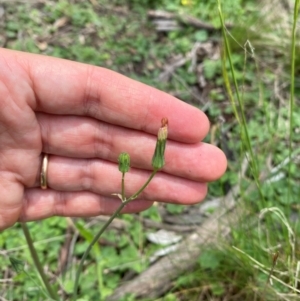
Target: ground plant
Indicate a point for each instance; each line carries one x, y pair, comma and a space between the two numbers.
238, 61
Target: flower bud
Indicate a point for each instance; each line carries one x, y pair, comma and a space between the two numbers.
124, 162
158, 159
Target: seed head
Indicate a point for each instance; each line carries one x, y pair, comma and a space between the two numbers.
158, 159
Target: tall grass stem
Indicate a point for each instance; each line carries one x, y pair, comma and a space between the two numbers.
245, 135
292, 91
37, 262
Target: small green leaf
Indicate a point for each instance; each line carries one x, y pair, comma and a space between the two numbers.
68, 286
17, 264
211, 68
209, 260
201, 36
217, 289
175, 209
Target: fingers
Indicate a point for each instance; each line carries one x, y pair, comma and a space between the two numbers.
70, 88
46, 203
87, 138
10, 205
104, 178
84, 187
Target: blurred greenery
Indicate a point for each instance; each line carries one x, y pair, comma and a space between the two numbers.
120, 36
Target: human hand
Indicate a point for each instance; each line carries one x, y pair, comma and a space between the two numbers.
83, 117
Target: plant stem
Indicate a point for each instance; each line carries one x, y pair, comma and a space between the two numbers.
245, 134
292, 92
37, 262
123, 186
143, 187
97, 236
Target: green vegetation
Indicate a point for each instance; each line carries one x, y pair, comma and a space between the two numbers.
245, 76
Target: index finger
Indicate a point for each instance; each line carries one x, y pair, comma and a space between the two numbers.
66, 87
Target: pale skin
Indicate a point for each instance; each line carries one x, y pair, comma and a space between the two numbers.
84, 116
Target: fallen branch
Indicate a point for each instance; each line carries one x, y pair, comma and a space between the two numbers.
184, 19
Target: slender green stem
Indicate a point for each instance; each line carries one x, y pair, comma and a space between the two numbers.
245, 133
123, 185
97, 236
143, 187
292, 91
87, 251
37, 262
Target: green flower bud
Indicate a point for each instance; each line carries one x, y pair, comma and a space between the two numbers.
124, 162
158, 159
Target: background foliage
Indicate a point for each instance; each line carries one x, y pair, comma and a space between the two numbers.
121, 36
